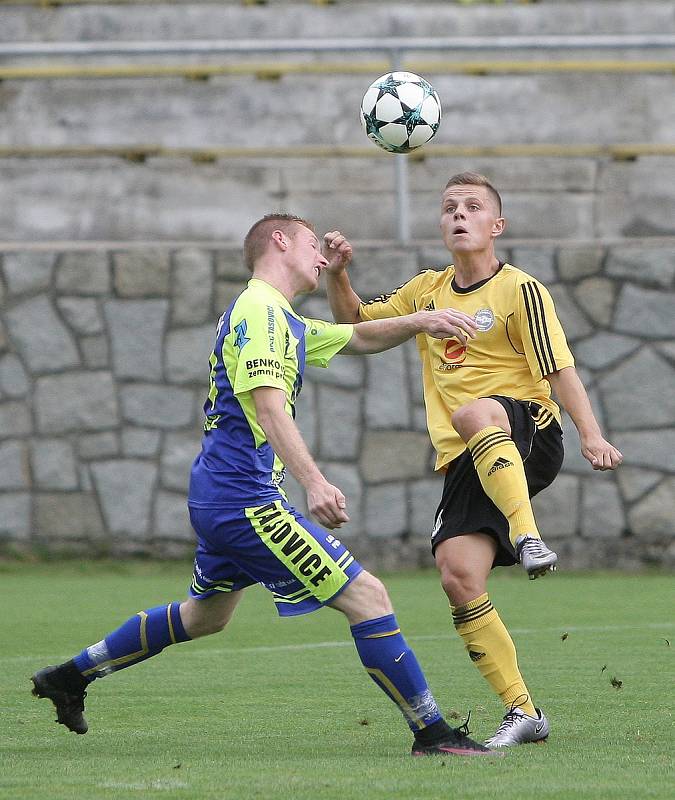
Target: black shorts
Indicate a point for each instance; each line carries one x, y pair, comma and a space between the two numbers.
464, 506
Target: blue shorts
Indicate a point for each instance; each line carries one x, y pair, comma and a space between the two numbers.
303, 565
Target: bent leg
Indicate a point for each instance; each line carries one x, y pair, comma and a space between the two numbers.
464, 563
484, 426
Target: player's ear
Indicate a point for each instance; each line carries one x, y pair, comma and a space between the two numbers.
498, 227
279, 238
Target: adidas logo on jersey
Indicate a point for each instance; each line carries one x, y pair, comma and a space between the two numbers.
500, 463
475, 656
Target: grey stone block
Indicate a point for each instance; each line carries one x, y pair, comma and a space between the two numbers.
15, 419
141, 273
647, 448
375, 271
83, 273
653, 515
637, 198
187, 354
42, 340
172, 520
538, 262
340, 431
125, 489
14, 472
76, 401
425, 495
54, 465
15, 513
95, 352
603, 350
98, 445
646, 312
82, 314
67, 515
387, 396
596, 297
639, 392
395, 455
346, 478
28, 272
635, 482
646, 265
136, 333
230, 265
13, 378
191, 286
386, 512
346, 372
602, 514
307, 415
156, 406
178, 452
140, 442
226, 292
573, 321
575, 263
557, 508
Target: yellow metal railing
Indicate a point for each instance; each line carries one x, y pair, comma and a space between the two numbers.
275, 70
140, 153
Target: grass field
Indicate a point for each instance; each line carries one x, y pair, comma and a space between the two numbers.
282, 709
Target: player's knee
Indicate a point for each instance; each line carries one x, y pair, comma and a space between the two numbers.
459, 584
376, 596
200, 620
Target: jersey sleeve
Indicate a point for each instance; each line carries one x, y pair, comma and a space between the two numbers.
395, 304
543, 338
323, 340
257, 336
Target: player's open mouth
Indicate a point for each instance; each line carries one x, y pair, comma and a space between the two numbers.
459, 230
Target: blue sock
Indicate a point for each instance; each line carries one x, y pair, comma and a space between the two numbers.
143, 636
394, 668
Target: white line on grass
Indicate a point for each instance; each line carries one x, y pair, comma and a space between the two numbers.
348, 642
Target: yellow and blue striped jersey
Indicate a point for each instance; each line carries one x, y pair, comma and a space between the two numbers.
260, 341
519, 342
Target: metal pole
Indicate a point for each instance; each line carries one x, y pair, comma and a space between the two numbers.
401, 177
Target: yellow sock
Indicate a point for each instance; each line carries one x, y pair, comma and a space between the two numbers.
492, 650
502, 475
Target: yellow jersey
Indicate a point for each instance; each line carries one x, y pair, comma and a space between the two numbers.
518, 343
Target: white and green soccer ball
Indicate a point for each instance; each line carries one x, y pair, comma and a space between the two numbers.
400, 111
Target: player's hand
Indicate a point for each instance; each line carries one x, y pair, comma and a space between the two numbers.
446, 323
600, 453
337, 250
327, 505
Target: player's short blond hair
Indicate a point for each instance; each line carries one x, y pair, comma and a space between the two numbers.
258, 237
475, 179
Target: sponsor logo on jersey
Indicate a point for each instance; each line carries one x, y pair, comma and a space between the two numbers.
485, 319
241, 339
453, 356
500, 463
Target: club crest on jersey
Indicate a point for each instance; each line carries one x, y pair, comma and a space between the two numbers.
485, 319
241, 338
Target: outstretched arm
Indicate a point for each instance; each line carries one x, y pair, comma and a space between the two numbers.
377, 335
594, 447
324, 501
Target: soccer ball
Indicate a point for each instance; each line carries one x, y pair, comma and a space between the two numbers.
400, 111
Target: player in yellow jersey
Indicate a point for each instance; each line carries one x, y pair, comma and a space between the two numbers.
493, 423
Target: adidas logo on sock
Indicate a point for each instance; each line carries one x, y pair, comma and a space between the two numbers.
475, 656
500, 463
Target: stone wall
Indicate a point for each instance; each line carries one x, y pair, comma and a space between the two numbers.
103, 370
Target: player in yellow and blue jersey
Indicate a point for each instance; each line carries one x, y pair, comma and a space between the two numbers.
247, 532
493, 423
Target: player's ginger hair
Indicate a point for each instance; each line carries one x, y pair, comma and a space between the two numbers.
258, 237
475, 179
